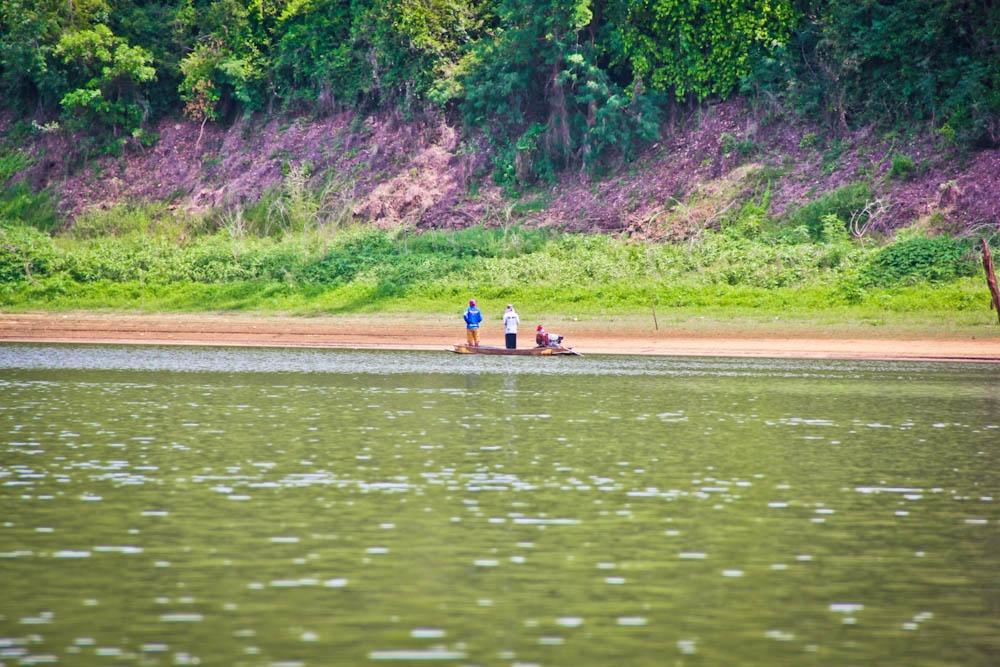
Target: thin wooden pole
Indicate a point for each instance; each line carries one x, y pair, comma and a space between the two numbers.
655, 323
991, 278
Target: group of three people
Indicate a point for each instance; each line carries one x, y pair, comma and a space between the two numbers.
474, 317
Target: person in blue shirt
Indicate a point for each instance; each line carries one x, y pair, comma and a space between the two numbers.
472, 318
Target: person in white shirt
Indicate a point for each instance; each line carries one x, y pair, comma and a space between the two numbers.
510, 322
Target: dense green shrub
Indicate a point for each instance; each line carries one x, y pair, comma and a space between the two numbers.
916, 259
697, 49
111, 73
24, 253
11, 162
844, 203
902, 167
360, 250
21, 205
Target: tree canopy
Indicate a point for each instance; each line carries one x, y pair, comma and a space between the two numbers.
554, 83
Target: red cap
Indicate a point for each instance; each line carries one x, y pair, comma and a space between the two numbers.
538, 328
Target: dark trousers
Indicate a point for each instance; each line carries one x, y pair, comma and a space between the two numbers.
511, 341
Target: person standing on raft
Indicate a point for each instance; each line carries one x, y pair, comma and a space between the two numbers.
510, 322
473, 317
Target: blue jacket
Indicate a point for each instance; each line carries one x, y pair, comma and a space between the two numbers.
472, 318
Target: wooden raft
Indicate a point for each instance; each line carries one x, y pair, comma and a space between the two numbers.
525, 351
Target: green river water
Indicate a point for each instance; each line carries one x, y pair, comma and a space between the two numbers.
180, 506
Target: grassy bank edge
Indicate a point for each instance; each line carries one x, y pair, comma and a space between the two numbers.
960, 308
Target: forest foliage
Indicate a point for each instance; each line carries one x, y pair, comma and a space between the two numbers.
552, 84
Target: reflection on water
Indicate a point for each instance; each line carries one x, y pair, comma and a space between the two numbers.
165, 506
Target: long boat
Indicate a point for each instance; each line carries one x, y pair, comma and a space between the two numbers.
524, 351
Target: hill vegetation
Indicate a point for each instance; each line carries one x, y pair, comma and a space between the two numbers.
748, 154
550, 83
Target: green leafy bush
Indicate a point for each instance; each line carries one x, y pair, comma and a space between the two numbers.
25, 253
21, 206
743, 147
903, 168
844, 203
11, 162
917, 259
112, 74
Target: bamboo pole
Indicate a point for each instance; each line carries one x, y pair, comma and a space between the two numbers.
991, 278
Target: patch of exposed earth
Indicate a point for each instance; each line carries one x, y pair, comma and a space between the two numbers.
419, 172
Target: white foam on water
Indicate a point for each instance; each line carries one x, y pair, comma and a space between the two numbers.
337, 582
181, 618
887, 489
632, 621
427, 633
846, 607
416, 654
43, 618
569, 621
127, 550
68, 553
286, 583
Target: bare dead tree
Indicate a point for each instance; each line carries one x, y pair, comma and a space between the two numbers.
991, 278
863, 220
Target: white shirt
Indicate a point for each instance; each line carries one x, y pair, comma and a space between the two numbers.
510, 322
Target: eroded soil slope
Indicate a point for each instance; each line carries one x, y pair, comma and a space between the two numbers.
420, 172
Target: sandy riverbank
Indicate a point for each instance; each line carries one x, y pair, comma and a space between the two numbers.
429, 332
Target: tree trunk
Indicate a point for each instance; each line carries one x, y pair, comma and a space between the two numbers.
201, 131
991, 278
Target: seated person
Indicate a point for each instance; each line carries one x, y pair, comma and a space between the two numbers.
545, 339
541, 336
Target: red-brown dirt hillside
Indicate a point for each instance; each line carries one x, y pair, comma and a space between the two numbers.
389, 172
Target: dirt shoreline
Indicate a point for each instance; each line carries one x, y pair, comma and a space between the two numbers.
428, 332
